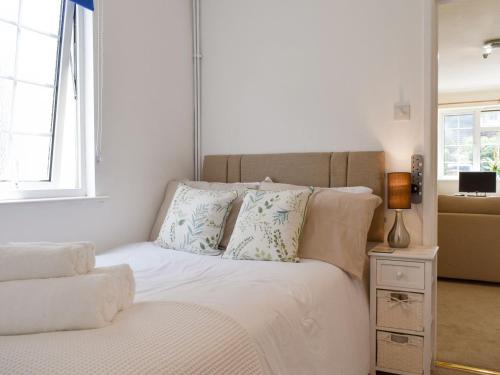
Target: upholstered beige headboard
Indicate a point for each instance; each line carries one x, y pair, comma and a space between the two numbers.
322, 169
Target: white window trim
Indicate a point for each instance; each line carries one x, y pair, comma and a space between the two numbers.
10, 191
87, 104
476, 156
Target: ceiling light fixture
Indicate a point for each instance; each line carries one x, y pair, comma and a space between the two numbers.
488, 47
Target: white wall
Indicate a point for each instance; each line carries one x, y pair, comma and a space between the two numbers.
147, 133
317, 75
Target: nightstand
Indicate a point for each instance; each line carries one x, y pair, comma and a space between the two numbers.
403, 310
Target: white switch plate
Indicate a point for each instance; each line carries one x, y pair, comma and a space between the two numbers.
402, 112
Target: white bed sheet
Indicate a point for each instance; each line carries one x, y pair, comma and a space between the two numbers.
305, 318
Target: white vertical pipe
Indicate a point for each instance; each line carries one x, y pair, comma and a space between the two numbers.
197, 89
195, 94
199, 57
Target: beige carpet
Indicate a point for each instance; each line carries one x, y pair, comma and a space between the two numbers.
469, 324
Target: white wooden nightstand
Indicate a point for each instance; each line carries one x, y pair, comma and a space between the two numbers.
403, 310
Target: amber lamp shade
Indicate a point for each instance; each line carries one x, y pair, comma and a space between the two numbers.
399, 190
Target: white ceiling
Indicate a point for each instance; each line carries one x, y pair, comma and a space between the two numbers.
464, 25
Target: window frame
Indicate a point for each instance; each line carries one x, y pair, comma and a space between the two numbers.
76, 19
476, 137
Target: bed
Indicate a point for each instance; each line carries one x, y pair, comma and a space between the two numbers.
199, 314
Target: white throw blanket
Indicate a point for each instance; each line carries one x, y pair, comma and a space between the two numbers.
21, 261
155, 338
65, 303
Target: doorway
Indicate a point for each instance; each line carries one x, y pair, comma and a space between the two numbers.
468, 328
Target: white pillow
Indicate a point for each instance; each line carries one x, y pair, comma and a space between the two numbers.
354, 189
195, 220
268, 184
268, 226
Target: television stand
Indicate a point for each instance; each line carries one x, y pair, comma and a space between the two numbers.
477, 194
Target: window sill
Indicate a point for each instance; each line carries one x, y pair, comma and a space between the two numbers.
100, 198
448, 179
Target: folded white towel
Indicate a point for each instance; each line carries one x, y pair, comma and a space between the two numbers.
64, 303
123, 277
20, 261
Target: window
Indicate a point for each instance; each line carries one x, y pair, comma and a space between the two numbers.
44, 101
469, 140
490, 140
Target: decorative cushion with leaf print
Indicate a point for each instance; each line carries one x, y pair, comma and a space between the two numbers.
268, 226
195, 220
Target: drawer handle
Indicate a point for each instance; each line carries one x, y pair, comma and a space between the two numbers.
399, 339
399, 297
399, 275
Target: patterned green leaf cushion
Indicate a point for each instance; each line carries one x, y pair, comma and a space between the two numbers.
195, 220
268, 226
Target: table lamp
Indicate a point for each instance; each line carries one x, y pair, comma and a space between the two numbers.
399, 198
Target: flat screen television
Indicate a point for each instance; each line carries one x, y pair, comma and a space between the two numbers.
477, 182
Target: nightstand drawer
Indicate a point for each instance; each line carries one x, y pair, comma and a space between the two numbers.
400, 352
400, 310
391, 273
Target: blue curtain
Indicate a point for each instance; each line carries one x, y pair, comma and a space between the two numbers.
89, 4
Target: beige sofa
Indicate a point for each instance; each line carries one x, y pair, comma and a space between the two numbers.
469, 238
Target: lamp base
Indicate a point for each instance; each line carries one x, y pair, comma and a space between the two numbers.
398, 236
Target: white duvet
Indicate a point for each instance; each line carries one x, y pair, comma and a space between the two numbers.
304, 318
